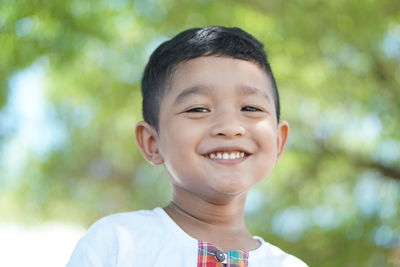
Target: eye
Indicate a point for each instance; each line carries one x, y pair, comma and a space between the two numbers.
197, 110
250, 109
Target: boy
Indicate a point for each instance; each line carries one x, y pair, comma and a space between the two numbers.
211, 117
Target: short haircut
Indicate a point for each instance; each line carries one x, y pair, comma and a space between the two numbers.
193, 43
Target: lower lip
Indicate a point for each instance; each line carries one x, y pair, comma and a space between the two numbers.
228, 161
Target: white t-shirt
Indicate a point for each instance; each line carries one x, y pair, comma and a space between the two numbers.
151, 238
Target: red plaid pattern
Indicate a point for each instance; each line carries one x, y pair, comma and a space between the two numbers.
206, 257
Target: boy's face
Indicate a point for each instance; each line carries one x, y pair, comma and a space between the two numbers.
218, 131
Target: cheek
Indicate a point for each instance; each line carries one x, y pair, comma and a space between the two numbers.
266, 134
180, 161
178, 143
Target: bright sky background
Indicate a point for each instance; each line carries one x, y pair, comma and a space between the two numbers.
51, 243
48, 245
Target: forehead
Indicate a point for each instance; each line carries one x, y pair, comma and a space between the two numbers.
219, 72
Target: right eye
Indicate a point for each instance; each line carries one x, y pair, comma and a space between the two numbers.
197, 110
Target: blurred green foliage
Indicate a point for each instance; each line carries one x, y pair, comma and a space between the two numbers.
334, 198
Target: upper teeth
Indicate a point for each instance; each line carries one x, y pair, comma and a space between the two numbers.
226, 155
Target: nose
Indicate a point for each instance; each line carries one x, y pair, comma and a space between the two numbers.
228, 125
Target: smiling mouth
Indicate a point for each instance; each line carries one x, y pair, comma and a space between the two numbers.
227, 155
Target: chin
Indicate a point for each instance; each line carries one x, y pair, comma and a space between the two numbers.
224, 198
233, 189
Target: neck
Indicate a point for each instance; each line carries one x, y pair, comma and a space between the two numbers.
202, 211
221, 223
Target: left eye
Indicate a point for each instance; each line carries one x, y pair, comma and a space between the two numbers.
250, 108
197, 110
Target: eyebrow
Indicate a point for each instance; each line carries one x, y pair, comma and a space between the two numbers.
195, 90
251, 90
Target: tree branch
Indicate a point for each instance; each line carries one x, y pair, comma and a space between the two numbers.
391, 172
387, 171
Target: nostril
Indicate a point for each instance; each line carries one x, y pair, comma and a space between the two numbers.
225, 129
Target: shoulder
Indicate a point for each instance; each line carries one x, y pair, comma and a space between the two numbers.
129, 220
126, 226
107, 238
271, 254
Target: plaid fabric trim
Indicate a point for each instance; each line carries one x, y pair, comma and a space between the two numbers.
206, 257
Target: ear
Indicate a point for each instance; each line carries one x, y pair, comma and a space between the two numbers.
283, 133
147, 141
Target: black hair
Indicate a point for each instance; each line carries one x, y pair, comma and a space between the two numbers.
194, 43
